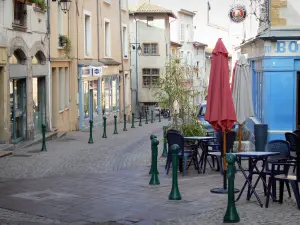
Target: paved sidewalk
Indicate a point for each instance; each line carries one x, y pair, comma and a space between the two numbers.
124, 197
106, 183
72, 154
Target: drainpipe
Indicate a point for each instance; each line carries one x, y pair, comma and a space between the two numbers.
136, 66
122, 54
48, 111
99, 102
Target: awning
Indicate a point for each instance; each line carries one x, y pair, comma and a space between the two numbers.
86, 63
110, 62
283, 34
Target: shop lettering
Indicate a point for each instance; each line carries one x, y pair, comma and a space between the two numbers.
283, 47
268, 49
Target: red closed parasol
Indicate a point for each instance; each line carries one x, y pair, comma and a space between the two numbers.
220, 111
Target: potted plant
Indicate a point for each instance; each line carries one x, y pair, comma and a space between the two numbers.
65, 43
39, 3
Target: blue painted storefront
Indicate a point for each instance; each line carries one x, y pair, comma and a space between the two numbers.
107, 96
274, 85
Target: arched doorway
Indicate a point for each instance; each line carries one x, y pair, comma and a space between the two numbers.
39, 73
18, 73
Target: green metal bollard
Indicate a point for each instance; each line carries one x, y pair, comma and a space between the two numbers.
91, 133
231, 215
124, 129
154, 177
159, 119
170, 116
44, 149
152, 136
140, 123
146, 118
104, 127
175, 194
132, 125
165, 150
115, 130
152, 119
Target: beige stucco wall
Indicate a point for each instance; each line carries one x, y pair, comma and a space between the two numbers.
65, 120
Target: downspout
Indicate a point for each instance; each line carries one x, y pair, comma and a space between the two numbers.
98, 30
99, 101
122, 54
136, 66
49, 71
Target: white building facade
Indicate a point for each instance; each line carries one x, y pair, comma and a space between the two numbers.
150, 48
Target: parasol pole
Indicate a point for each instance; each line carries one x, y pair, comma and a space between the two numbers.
224, 161
240, 137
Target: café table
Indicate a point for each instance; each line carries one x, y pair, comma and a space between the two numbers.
254, 158
202, 143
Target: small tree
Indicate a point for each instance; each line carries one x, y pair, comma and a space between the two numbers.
176, 87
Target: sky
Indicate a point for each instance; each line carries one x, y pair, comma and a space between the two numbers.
218, 18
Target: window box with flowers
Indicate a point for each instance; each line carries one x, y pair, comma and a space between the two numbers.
65, 43
40, 5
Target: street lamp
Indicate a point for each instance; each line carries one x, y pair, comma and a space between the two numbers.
139, 49
65, 5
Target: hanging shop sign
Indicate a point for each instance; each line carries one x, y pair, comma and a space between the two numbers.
97, 71
237, 13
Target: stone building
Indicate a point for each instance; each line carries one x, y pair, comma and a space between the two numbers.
24, 71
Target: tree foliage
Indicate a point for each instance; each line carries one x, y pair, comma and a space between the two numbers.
176, 87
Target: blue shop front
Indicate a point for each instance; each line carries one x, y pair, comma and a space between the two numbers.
98, 93
275, 68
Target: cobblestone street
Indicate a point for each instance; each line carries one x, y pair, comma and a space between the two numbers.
107, 183
73, 154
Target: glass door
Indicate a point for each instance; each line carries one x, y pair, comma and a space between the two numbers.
18, 109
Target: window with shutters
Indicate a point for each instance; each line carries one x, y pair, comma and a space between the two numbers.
182, 32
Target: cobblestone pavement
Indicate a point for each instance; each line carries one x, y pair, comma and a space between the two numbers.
73, 154
106, 183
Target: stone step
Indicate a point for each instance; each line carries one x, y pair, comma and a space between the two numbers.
37, 139
5, 153
6, 147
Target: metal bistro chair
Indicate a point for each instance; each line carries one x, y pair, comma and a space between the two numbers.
297, 132
286, 177
292, 139
218, 147
275, 146
174, 137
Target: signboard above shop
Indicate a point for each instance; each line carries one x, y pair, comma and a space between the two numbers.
282, 48
92, 71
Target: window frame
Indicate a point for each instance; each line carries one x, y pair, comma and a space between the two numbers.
150, 75
107, 36
88, 48
182, 32
123, 5
125, 41
23, 6
150, 48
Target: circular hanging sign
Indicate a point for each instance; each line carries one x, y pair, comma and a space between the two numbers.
237, 13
